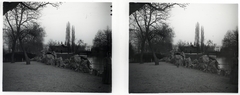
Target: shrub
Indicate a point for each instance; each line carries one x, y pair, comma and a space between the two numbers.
44, 60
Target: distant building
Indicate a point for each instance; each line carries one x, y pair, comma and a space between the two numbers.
88, 48
217, 48
188, 49
59, 48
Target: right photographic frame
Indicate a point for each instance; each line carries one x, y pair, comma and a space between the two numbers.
183, 47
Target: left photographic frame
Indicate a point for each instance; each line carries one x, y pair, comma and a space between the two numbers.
57, 47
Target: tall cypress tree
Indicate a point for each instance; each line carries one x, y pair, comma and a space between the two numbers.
202, 38
197, 36
73, 38
68, 36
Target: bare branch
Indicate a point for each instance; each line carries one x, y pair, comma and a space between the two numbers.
36, 5
10, 25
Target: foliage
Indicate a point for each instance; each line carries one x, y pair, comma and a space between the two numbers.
18, 21
146, 21
102, 43
162, 42
19, 17
44, 60
230, 45
33, 40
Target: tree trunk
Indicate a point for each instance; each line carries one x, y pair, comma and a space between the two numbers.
13, 51
155, 58
153, 52
12, 56
142, 52
141, 58
25, 54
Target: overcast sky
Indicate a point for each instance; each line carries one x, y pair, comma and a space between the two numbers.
216, 19
87, 18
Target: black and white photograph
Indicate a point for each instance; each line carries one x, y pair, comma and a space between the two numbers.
57, 47
183, 47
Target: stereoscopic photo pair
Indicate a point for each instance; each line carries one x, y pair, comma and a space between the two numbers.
67, 47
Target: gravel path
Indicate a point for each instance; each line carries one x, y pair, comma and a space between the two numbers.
166, 77
45, 78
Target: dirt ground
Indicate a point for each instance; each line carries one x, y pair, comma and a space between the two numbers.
167, 78
39, 77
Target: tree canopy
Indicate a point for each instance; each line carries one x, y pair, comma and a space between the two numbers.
20, 22
230, 44
147, 21
102, 43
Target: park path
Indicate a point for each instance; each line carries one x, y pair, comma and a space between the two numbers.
167, 78
39, 77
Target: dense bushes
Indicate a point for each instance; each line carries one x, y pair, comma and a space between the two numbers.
205, 63
76, 62
79, 63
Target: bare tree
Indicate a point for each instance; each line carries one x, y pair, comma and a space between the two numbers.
51, 45
8, 6
18, 20
209, 45
33, 40
147, 19
19, 16
181, 45
80, 46
137, 6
